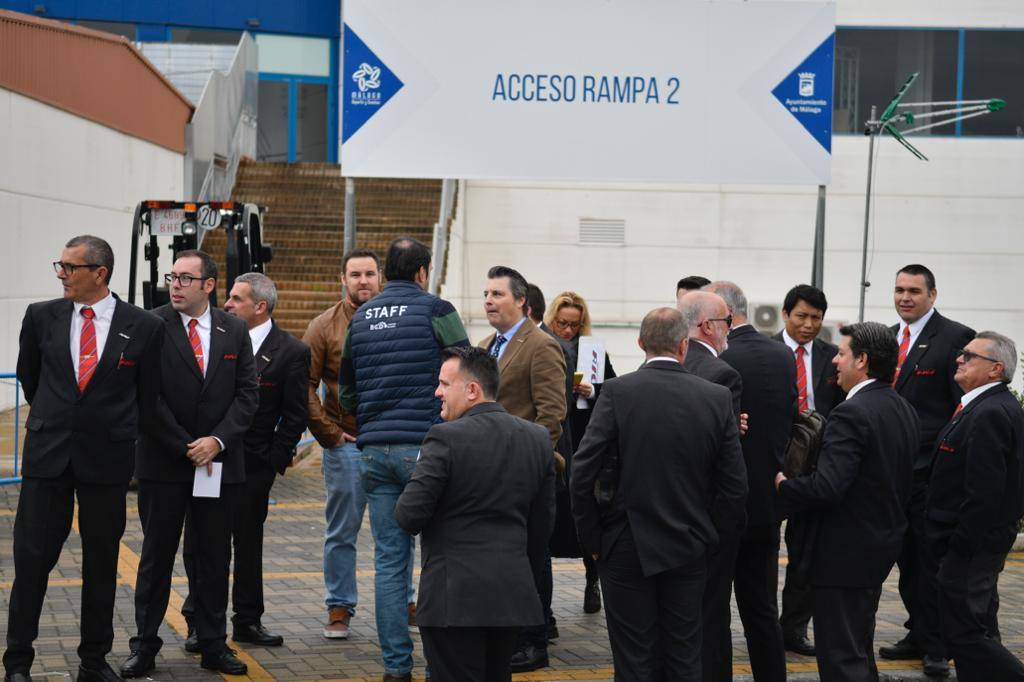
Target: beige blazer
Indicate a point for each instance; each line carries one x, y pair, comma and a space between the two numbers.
532, 370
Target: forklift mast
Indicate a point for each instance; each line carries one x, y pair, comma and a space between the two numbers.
186, 223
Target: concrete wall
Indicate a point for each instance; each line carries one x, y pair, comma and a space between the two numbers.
961, 214
62, 175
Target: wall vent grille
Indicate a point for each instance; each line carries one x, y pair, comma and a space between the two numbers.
602, 232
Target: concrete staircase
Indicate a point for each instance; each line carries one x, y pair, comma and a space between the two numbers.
305, 225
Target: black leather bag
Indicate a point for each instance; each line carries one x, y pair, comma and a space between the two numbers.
805, 438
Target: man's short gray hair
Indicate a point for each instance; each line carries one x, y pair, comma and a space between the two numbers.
263, 288
662, 330
1003, 350
731, 294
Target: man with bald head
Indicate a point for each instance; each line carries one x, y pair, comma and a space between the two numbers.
666, 513
708, 321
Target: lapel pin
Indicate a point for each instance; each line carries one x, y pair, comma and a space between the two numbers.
123, 335
265, 358
221, 329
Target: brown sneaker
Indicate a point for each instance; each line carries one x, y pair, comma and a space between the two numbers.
337, 623
412, 614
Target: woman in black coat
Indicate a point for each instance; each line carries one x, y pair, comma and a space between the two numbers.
568, 318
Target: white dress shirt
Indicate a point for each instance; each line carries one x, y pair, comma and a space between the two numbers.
203, 330
915, 329
710, 348
855, 389
258, 335
662, 358
793, 345
104, 315
974, 393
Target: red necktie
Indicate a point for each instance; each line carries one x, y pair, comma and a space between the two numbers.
904, 349
801, 379
197, 348
959, 406
86, 349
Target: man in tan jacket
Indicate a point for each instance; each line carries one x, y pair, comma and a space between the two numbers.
335, 430
532, 386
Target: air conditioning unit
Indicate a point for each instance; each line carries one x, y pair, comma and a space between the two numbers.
766, 318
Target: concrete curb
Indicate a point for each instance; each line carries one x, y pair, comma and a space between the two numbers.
1018, 544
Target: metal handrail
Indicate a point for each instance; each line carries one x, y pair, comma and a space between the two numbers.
15, 478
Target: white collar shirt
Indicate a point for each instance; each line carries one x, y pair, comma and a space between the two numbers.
975, 392
259, 334
915, 329
793, 345
662, 358
856, 389
101, 321
711, 349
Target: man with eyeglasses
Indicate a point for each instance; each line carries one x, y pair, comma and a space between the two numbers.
928, 343
708, 320
89, 364
769, 398
974, 501
208, 398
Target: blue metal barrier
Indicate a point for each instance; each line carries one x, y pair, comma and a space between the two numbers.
14, 477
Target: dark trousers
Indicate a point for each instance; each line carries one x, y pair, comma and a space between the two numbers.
756, 583
844, 633
469, 654
45, 510
797, 596
966, 587
162, 509
915, 578
716, 609
537, 635
250, 516
654, 622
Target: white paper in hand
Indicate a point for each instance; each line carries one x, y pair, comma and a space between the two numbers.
207, 484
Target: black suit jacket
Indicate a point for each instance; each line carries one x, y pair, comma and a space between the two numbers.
282, 370
769, 398
926, 380
93, 431
861, 488
681, 475
705, 364
222, 404
975, 491
827, 391
483, 495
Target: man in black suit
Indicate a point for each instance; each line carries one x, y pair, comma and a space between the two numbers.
769, 398
679, 484
688, 284
975, 498
803, 311
89, 364
707, 317
282, 369
208, 398
928, 344
859, 492
483, 495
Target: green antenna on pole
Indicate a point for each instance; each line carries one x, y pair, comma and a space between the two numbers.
899, 120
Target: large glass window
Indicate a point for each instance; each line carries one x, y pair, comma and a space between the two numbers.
872, 64
994, 68
205, 36
272, 121
311, 128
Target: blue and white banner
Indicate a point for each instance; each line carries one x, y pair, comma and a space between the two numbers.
648, 90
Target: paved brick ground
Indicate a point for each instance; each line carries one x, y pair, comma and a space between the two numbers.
294, 593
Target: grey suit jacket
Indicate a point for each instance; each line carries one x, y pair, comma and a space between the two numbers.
483, 497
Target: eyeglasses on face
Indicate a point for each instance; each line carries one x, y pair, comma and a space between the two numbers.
184, 280
565, 324
69, 268
727, 319
970, 355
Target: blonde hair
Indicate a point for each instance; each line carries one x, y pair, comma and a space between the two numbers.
569, 299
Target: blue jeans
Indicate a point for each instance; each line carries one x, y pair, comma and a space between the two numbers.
346, 502
385, 471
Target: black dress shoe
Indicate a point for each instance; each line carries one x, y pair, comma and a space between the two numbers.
192, 642
224, 662
256, 634
799, 644
592, 597
935, 666
138, 664
102, 673
528, 657
903, 650
552, 632
17, 677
